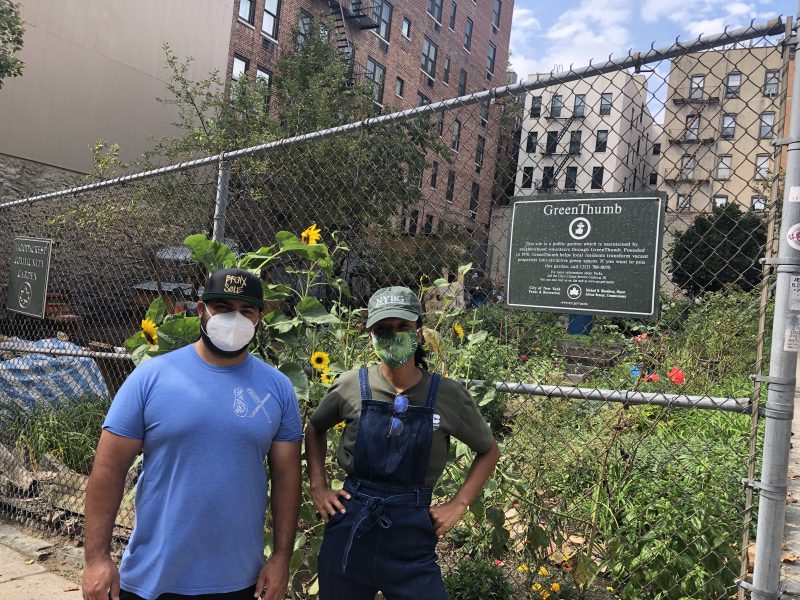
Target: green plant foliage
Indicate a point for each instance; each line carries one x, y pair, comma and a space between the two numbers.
720, 248
11, 38
478, 580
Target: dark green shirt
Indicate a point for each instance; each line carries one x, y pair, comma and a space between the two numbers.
455, 414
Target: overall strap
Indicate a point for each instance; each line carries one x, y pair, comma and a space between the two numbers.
363, 378
433, 390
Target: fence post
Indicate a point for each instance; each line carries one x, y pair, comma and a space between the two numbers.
221, 203
783, 361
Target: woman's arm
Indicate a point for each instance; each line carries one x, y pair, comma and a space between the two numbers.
446, 516
325, 500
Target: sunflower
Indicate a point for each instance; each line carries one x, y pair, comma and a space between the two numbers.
320, 361
340, 426
150, 332
311, 235
543, 571
555, 587
326, 377
459, 331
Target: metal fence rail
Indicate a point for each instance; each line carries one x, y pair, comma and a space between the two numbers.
624, 449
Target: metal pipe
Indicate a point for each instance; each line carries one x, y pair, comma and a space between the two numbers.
783, 362
634, 60
28, 349
221, 203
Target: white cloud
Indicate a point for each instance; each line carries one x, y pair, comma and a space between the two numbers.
700, 16
524, 21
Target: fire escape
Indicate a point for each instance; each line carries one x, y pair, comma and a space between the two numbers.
547, 184
357, 15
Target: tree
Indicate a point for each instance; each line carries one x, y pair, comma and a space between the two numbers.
11, 31
720, 248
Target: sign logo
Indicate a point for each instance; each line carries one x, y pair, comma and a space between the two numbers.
574, 291
793, 236
25, 294
579, 228
234, 284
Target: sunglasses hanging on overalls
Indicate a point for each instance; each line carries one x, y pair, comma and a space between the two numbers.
400, 407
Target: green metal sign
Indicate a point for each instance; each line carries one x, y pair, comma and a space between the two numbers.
587, 253
30, 269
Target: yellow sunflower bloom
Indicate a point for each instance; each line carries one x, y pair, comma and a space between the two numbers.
320, 361
339, 426
327, 378
543, 571
555, 587
537, 586
312, 235
522, 569
150, 332
459, 331
545, 595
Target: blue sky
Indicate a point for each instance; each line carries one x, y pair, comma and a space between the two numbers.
546, 33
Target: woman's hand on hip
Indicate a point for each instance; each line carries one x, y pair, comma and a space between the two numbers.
446, 516
327, 502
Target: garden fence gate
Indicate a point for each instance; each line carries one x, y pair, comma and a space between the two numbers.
625, 442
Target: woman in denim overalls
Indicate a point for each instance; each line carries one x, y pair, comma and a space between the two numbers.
381, 530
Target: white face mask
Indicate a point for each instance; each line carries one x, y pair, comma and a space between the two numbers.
231, 331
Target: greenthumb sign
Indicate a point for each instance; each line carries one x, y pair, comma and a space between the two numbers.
30, 268
587, 254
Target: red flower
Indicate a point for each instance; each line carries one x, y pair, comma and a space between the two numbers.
676, 376
654, 377
641, 338
499, 563
523, 357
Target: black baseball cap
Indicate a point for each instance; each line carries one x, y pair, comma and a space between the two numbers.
234, 284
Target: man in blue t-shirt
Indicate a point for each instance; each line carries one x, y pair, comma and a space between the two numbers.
204, 417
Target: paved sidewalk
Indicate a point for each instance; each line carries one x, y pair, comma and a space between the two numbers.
23, 575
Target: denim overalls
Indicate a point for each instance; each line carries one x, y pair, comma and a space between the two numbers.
385, 541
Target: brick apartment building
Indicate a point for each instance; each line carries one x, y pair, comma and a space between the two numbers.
415, 53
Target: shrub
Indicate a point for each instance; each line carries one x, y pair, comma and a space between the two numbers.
478, 580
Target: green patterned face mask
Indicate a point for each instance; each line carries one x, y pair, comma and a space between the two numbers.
396, 348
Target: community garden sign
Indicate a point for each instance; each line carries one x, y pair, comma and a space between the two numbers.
30, 269
587, 254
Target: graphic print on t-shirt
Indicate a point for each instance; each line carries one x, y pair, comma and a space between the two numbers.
247, 403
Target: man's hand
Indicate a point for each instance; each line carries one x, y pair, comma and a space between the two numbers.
326, 501
100, 579
446, 516
273, 580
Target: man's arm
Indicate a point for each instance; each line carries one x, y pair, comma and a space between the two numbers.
103, 496
284, 472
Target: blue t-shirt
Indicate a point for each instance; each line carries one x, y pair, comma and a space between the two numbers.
202, 494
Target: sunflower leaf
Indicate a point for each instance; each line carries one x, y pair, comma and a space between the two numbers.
211, 254
133, 342
156, 310
178, 332
289, 242
140, 354
280, 322
312, 312
277, 291
298, 378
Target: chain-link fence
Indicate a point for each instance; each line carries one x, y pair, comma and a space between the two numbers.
624, 442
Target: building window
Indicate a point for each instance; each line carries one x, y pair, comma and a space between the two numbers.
496, 8
720, 201
728, 126
303, 27
422, 99
446, 73
765, 126
656, 149
762, 166
683, 203
580, 105
758, 203
455, 131
480, 147
406, 29
399, 87
605, 103
555, 106
453, 9
462, 82
382, 13
548, 179
602, 141
484, 112
597, 178
468, 34
270, 25
575, 142
733, 83
531, 141
772, 80
551, 145
239, 67
473, 201
724, 167
653, 178
429, 51
536, 106
376, 73
247, 11
412, 223
441, 124
527, 178
687, 166
571, 179
491, 52
435, 10
451, 186
692, 127
434, 174
428, 227
696, 87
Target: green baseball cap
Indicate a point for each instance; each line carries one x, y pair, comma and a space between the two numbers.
394, 302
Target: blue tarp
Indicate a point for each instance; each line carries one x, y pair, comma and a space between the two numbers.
32, 380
